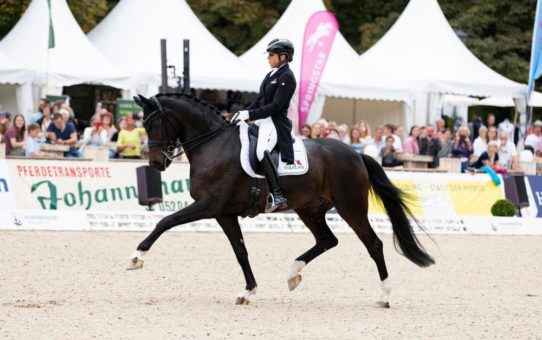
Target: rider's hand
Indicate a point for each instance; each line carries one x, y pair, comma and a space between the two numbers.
242, 115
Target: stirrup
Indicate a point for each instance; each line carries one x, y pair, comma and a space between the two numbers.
273, 205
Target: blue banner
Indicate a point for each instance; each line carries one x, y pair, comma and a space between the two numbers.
536, 187
536, 52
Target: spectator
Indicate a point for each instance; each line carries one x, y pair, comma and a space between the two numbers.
507, 152
32, 145
430, 146
306, 131
122, 126
480, 143
15, 143
445, 144
4, 125
507, 126
410, 145
316, 130
389, 154
389, 130
379, 142
400, 132
45, 121
365, 130
492, 134
343, 133
129, 141
535, 137
490, 121
489, 158
36, 116
356, 142
474, 126
440, 127
462, 147
62, 132
323, 127
333, 134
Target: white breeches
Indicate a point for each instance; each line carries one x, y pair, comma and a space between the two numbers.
267, 136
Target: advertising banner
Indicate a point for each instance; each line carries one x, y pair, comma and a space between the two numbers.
535, 183
7, 200
317, 42
112, 186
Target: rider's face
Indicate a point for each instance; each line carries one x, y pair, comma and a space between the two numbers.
273, 60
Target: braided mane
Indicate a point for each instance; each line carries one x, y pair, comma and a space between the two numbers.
201, 105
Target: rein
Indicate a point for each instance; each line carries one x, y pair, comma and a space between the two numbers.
168, 144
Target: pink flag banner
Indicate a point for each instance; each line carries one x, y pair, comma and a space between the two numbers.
317, 42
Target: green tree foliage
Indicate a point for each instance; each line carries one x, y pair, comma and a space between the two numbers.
499, 31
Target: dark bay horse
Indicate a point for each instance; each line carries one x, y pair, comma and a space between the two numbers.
338, 177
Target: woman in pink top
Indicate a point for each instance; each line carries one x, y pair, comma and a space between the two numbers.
410, 145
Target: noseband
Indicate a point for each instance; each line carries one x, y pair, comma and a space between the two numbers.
169, 145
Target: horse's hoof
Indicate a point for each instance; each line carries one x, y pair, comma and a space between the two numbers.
384, 304
293, 282
135, 263
242, 301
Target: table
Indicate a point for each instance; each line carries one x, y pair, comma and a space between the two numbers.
56, 150
415, 161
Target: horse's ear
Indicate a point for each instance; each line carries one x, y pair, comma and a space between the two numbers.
139, 101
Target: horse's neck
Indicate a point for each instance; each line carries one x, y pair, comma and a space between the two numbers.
224, 146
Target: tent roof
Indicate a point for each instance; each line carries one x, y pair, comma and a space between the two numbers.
536, 101
339, 78
73, 60
130, 36
12, 73
422, 49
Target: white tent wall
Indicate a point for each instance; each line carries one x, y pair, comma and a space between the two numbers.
376, 113
8, 97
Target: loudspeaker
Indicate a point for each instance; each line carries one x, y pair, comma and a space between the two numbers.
149, 185
515, 190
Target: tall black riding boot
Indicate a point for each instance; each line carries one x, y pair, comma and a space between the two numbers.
275, 199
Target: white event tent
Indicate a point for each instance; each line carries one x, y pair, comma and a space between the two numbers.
73, 60
12, 76
340, 78
130, 36
422, 50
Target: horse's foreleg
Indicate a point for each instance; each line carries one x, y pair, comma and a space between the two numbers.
196, 211
325, 240
230, 225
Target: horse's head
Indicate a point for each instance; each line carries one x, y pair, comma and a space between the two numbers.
161, 133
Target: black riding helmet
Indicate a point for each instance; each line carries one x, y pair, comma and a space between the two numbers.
282, 46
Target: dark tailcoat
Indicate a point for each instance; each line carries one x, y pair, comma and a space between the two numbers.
276, 92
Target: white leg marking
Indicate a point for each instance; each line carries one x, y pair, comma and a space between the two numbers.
247, 293
386, 290
138, 254
296, 268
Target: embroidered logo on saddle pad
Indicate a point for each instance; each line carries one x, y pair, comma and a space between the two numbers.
300, 166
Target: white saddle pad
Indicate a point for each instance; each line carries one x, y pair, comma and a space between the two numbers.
300, 166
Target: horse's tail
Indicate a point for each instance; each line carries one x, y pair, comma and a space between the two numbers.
393, 199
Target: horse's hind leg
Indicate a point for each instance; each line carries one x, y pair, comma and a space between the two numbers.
354, 213
230, 225
315, 220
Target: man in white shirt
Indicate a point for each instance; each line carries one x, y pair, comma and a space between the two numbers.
507, 152
508, 127
533, 138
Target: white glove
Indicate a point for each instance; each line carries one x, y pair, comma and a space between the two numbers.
242, 115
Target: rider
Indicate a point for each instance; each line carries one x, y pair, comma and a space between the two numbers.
270, 113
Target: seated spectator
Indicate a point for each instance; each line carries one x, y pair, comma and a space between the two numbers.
365, 131
399, 132
323, 127
36, 116
15, 143
492, 134
129, 140
333, 134
379, 142
389, 154
389, 131
121, 123
4, 125
507, 152
462, 145
32, 145
62, 132
410, 145
316, 130
430, 146
44, 122
480, 143
534, 138
440, 127
306, 131
343, 133
445, 144
489, 158
356, 142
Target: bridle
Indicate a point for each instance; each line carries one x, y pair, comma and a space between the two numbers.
169, 145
